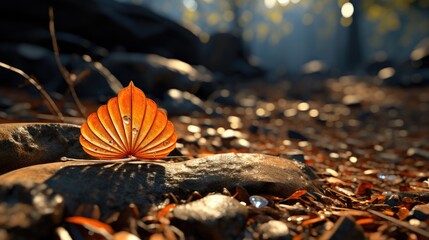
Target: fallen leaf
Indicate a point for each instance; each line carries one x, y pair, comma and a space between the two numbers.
90, 223
297, 194
129, 125
161, 213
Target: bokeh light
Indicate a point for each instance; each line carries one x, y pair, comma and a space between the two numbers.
347, 10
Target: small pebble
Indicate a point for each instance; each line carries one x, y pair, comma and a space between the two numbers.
390, 157
417, 152
294, 154
258, 201
296, 135
212, 217
240, 143
352, 100
387, 177
392, 200
420, 212
274, 229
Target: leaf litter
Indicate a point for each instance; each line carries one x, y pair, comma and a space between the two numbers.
370, 158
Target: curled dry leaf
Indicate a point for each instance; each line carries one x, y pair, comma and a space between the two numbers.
129, 125
313, 221
403, 213
364, 188
90, 224
297, 194
161, 213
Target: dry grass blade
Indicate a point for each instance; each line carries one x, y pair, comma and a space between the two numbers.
113, 82
400, 223
63, 70
51, 104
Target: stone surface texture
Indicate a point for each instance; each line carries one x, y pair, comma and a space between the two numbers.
24, 144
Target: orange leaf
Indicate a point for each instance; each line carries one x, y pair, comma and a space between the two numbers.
271, 197
388, 212
165, 210
403, 213
364, 188
129, 125
312, 221
363, 221
83, 221
298, 237
297, 194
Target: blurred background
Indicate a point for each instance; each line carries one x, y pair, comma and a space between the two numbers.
283, 35
199, 45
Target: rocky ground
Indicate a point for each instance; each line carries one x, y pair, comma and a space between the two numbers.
341, 158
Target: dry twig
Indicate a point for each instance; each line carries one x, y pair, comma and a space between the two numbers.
113, 82
63, 70
51, 104
400, 223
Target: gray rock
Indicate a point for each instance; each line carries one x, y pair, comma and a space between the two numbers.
344, 228
274, 229
114, 186
24, 144
212, 217
29, 211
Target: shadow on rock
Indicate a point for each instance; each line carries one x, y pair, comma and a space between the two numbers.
114, 186
111, 186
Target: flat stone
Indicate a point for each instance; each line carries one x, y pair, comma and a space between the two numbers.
24, 144
115, 186
212, 217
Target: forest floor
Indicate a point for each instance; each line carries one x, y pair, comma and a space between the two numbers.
369, 143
